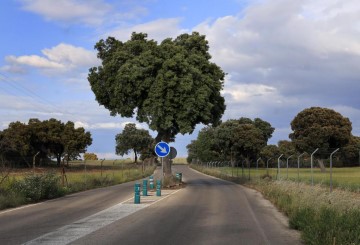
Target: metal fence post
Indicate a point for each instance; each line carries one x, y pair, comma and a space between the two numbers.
312, 176
278, 177
267, 165
287, 166
331, 184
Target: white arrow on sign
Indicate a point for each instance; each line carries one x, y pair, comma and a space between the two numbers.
163, 150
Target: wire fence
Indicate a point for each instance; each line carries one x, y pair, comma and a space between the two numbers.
299, 168
80, 175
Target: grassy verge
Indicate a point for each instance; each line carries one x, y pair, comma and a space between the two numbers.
321, 216
25, 188
343, 178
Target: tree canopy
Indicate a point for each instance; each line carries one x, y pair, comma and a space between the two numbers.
269, 151
287, 148
242, 138
51, 138
322, 128
171, 86
206, 148
350, 153
133, 139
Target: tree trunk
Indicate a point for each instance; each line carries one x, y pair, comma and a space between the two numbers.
135, 156
165, 136
26, 162
167, 166
67, 160
232, 159
322, 166
58, 160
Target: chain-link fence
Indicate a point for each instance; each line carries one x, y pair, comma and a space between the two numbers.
305, 167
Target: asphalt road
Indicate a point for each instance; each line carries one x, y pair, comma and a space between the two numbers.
207, 211
29, 222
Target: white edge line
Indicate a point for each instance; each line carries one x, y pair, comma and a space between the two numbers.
22, 207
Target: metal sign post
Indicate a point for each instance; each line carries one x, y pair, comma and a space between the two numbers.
162, 149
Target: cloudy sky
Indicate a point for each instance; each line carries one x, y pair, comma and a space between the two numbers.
281, 57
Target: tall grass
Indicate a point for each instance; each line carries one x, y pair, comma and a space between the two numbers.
343, 178
20, 189
322, 217
90, 180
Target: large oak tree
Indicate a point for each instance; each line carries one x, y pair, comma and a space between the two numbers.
321, 128
171, 86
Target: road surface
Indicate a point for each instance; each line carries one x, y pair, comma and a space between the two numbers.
206, 211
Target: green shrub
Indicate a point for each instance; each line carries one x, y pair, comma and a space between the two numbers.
10, 199
39, 187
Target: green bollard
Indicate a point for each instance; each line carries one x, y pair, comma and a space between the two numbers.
151, 180
179, 177
137, 193
145, 187
158, 188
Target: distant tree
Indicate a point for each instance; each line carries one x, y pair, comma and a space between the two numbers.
243, 137
192, 154
90, 156
226, 138
148, 152
206, 147
287, 148
15, 143
265, 127
49, 134
250, 141
350, 152
49, 138
76, 141
171, 86
60, 139
322, 128
269, 151
133, 139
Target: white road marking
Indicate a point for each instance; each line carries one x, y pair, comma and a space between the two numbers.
83, 227
26, 206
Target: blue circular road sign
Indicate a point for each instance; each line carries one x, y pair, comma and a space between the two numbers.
162, 149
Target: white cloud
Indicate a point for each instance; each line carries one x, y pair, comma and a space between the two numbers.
91, 12
79, 124
244, 92
299, 55
71, 55
281, 58
63, 58
105, 125
111, 156
158, 29
33, 60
